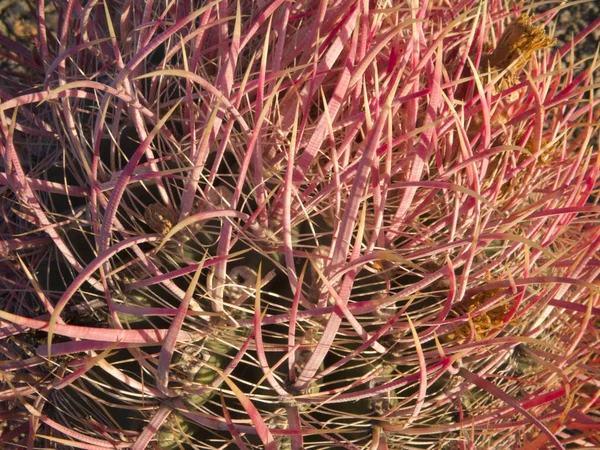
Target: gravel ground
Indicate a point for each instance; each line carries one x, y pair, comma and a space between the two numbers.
570, 21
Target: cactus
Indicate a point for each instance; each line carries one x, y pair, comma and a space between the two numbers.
298, 225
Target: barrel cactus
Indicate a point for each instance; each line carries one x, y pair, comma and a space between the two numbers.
298, 225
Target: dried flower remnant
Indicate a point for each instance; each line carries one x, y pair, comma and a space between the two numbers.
160, 218
523, 177
515, 180
516, 47
482, 323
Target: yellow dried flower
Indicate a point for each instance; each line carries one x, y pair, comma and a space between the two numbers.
523, 178
160, 218
484, 322
516, 47
518, 42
